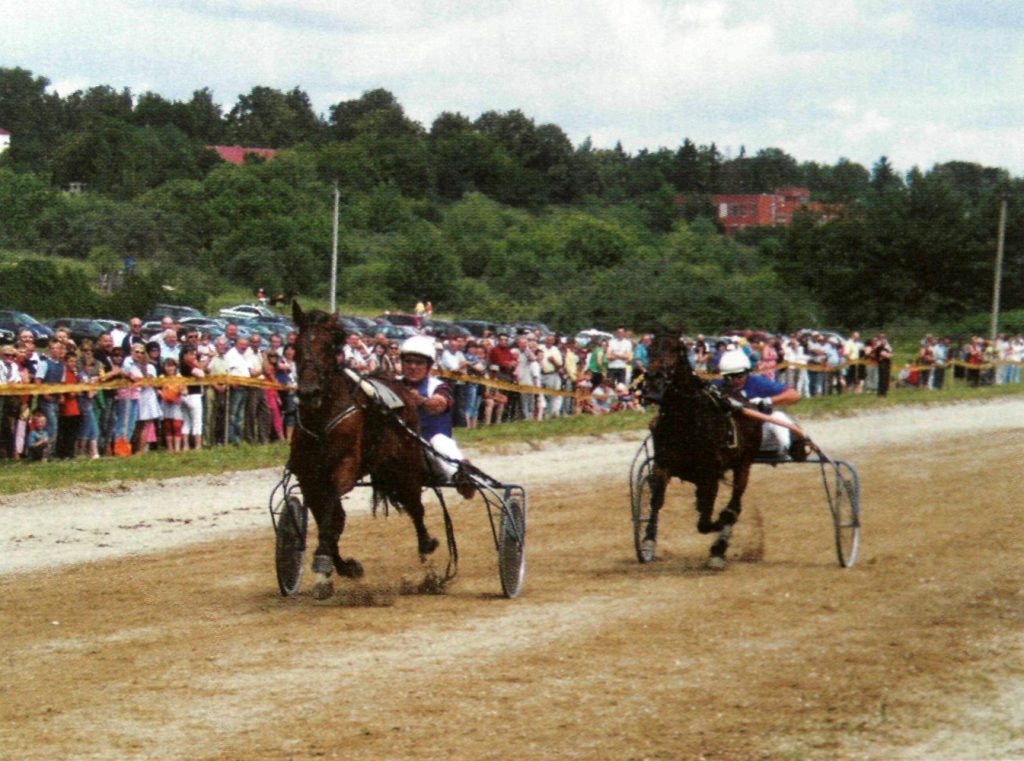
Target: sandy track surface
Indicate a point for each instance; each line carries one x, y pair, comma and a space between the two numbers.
50, 529
914, 654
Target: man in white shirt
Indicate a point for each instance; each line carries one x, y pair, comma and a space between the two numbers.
620, 355
237, 359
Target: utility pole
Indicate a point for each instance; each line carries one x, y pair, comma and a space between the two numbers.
997, 283
334, 253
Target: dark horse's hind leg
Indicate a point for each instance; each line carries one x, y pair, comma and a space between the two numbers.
411, 500
659, 483
728, 517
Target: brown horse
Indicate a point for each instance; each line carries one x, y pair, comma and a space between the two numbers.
698, 435
341, 436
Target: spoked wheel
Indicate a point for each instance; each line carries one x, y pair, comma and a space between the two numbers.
842, 487
290, 545
512, 544
640, 497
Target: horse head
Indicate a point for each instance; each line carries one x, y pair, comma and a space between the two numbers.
670, 368
316, 353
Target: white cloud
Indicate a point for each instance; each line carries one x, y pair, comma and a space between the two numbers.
856, 78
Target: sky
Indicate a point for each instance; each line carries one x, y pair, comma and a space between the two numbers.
919, 81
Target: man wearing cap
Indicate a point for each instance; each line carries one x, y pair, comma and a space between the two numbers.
764, 395
434, 402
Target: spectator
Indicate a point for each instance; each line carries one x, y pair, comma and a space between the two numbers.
552, 371
940, 352
146, 358
476, 367
38, 442
168, 345
88, 431
192, 400
10, 406
216, 405
270, 394
619, 357
133, 336
571, 374
105, 403
597, 362
883, 356
70, 414
524, 377
171, 407
286, 375
51, 372
454, 360
852, 352
237, 359
257, 413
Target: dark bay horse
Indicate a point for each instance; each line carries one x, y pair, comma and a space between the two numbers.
697, 436
341, 436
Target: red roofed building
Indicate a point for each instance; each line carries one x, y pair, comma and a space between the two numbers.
735, 212
235, 154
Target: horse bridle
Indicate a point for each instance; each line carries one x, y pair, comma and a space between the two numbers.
323, 376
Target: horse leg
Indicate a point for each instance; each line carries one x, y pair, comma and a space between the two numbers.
728, 516
411, 500
325, 502
707, 493
659, 483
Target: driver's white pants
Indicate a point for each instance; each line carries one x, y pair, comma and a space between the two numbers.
444, 445
776, 438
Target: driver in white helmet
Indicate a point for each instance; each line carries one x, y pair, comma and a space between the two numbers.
764, 394
434, 402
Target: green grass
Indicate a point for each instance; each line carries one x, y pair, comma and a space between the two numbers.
20, 477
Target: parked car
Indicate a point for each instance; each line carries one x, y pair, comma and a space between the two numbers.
175, 311
477, 327
78, 327
397, 333
530, 326
247, 310
110, 325
15, 321
442, 329
592, 335
401, 318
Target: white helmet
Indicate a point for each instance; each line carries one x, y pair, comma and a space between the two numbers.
733, 362
420, 346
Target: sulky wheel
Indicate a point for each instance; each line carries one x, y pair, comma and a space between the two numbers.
290, 546
512, 544
842, 486
640, 498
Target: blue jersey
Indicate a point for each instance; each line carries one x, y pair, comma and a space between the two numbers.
759, 387
431, 425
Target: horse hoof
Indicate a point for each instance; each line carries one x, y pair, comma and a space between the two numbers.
647, 550
716, 563
427, 548
350, 569
323, 589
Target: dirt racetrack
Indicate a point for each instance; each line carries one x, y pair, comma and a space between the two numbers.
916, 653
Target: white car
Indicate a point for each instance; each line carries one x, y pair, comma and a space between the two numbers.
248, 311
592, 335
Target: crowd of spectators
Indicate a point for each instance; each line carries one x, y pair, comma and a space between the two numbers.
136, 418
600, 377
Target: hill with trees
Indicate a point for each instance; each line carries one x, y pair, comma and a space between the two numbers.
494, 216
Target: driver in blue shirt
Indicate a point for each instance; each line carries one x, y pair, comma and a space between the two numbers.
764, 394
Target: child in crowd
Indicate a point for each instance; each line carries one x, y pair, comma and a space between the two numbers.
38, 443
171, 404
88, 430
70, 414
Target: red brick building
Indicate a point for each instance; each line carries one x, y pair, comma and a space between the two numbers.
235, 154
734, 212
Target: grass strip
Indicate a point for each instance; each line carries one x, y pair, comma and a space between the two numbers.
19, 477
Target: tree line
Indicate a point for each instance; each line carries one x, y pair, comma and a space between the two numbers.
494, 215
